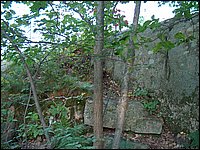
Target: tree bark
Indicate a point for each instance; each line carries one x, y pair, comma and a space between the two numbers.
123, 103
33, 89
98, 78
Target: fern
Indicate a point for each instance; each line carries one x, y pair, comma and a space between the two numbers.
71, 138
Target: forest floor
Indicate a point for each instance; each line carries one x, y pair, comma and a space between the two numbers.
166, 140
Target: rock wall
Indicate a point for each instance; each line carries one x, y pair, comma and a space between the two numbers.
173, 75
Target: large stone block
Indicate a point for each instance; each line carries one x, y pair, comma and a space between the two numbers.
137, 118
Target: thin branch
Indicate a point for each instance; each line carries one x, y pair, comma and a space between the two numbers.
37, 70
56, 15
87, 21
62, 35
40, 42
115, 6
29, 98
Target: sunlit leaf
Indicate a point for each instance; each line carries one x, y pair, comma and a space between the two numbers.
179, 35
157, 47
168, 45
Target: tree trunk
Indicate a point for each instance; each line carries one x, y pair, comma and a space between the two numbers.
98, 78
123, 103
33, 89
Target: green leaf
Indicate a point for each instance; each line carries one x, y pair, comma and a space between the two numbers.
134, 39
35, 133
8, 15
119, 50
27, 117
29, 62
157, 47
12, 12
140, 28
153, 17
168, 45
40, 24
37, 5
187, 14
146, 23
154, 25
6, 4
75, 29
180, 35
194, 136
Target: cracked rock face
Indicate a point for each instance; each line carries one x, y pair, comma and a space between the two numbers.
173, 73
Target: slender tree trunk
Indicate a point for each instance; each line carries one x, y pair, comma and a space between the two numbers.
32, 87
98, 78
123, 103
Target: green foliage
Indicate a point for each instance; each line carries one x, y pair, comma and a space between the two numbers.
37, 5
151, 106
6, 114
182, 8
166, 45
14, 85
7, 120
50, 78
59, 112
71, 138
32, 129
59, 108
152, 24
148, 102
186, 8
61, 34
10, 145
194, 140
182, 38
140, 92
6, 4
